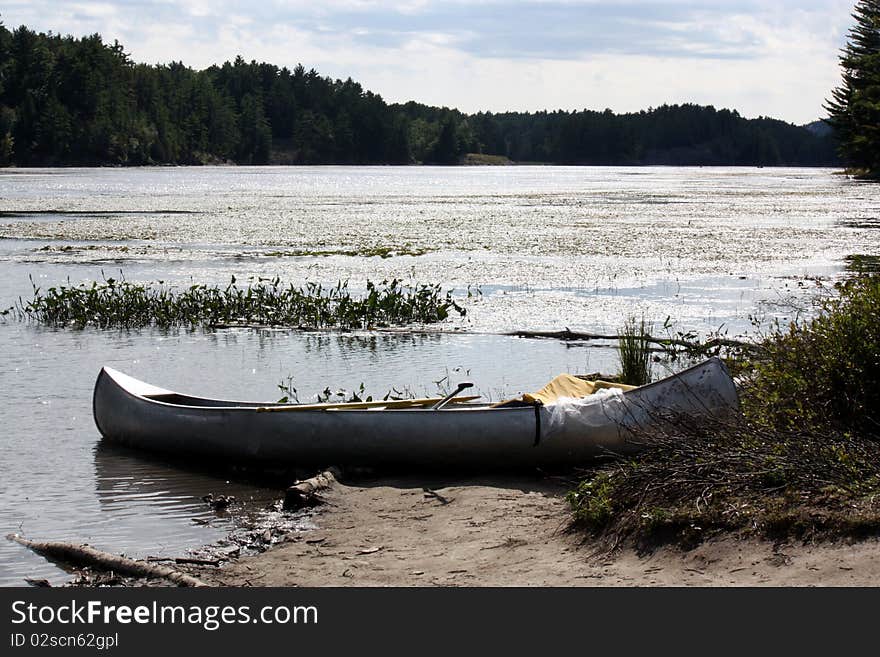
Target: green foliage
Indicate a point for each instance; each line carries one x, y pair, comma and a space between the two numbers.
593, 502
120, 304
634, 348
667, 135
449, 147
255, 136
824, 373
7, 124
854, 109
81, 101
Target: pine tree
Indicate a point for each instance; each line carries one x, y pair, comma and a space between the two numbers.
854, 110
447, 150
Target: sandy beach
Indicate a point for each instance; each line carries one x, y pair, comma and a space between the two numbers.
513, 531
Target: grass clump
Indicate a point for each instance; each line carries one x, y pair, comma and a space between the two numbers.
121, 304
634, 348
592, 501
803, 460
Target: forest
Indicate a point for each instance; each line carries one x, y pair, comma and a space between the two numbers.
68, 101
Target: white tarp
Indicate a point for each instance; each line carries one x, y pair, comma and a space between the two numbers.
569, 414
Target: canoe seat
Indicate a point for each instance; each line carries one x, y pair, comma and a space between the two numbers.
563, 386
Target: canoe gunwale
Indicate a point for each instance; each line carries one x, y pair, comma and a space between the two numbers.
226, 406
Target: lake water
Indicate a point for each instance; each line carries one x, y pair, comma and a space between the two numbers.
547, 247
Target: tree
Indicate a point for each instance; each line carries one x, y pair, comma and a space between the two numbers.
854, 111
7, 143
256, 134
313, 138
447, 150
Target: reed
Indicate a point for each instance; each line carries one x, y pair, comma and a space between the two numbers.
121, 304
634, 348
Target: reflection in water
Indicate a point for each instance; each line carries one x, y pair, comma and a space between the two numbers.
531, 237
146, 507
128, 482
863, 263
861, 223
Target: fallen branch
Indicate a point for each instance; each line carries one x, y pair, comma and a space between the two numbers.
304, 493
564, 335
568, 335
84, 555
434, 495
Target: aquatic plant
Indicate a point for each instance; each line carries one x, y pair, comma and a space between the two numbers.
122, 304
634, 348
341, 395
290, 394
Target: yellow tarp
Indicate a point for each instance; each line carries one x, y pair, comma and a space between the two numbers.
566, 385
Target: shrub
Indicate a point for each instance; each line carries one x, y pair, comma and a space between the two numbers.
825, 372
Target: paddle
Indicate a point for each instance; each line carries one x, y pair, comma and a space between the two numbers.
464, 385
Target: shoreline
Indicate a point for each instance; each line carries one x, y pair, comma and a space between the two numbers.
838, 169
513, 531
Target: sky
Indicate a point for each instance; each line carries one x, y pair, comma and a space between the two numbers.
761, 57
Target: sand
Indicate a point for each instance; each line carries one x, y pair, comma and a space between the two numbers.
513, 531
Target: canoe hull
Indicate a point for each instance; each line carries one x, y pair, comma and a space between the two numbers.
131, 413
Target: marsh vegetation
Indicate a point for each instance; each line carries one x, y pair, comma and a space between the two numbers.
802, 460
115, 303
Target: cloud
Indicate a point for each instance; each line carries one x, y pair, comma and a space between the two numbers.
547, 30
762, 58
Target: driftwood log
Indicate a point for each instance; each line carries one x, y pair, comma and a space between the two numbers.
304, 493
568, 335
84, 555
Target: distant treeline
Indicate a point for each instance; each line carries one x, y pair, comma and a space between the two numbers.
67, 101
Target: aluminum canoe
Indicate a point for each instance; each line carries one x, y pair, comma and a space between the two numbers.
139, 415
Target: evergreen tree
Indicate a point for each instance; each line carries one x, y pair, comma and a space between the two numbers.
855, 106
447, 150
7, 114
256, 135
399, 151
